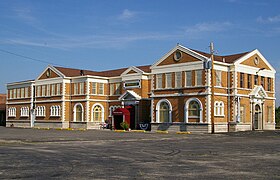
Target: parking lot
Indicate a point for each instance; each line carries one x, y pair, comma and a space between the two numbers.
102, 154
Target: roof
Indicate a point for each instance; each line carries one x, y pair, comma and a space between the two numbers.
227, 59
71, 72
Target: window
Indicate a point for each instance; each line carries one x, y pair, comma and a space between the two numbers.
76, 89
15, 93
82, 85
11, 94
58, 87
97, 113
101, 88
41, 111
43, 88
269, 84
242, 80
24, 112
269, 114
118, 88
18, 93
22, 92
78, 112
256, 80
249, 81
132, 84
188, 78
94, 88
112, 89
218, 78
53, 89
242, 114
164, 112
55, 110
178, 79
12, 112
168, 80
159, 81
263, 82
194, 109
219, 108
38, 91
48, 90
198, 77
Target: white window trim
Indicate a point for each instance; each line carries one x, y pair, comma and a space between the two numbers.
176, 79
40, 111
75, 112
55, 111
157, 81
186, 79
12, 112
112, 109
102, 112
166, 80
24, 112
220, 106
187, 110
158, 108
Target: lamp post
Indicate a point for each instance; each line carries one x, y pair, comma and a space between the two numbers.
212, 88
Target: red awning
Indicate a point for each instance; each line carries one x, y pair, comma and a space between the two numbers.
121, 111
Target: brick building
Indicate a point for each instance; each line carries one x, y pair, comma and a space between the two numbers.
172, 94
2, 109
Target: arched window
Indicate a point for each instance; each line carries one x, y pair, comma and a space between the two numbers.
112, 109
78, 112
12, 112
219, 108
97, 113
55, 110
40, 111
24, 111
164, 111
193, 110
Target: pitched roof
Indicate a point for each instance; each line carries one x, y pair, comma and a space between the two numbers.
227, 58
71, 72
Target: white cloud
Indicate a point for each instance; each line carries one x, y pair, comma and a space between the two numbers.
208, 27
273, 19
24, 14
127, 15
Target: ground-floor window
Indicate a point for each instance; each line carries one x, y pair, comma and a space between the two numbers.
78, 112
41, 111
112, 109
55, 110
242, 114
219, 108
24, 112
193, 110
164, 110
12, 112
98, 113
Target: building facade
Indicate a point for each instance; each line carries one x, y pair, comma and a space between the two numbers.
172, 94
2, 109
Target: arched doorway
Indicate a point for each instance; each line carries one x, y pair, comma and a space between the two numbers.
257, 117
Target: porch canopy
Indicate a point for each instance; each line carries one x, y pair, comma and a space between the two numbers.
122, 112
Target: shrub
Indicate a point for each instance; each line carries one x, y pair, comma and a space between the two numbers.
125, 125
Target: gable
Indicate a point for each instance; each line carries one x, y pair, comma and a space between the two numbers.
132, 72
256, 61
50, 72
179, 55
171, 59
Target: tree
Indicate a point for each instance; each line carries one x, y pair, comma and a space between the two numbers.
277, 115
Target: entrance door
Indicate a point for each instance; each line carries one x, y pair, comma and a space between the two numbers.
257, 117
117, 121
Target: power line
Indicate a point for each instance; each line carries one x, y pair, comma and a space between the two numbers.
30, 58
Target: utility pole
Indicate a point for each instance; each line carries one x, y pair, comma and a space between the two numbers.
212, 88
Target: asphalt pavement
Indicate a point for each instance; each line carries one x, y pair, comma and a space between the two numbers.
104, 154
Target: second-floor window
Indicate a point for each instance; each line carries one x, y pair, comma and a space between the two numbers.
94, 91
53, 89
198, 77
249, 81
218, 78
168, 80
242, 80
159, 81
263, 82
178, 79
101, 88
256, 78
269, 84
76, 88
188, 78
82, 88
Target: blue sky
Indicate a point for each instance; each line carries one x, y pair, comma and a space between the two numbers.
110, 34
